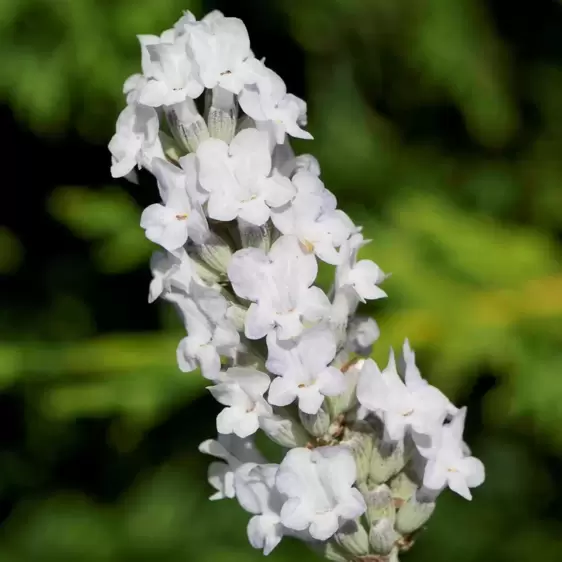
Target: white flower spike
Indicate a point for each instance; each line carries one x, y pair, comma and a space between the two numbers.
243, 222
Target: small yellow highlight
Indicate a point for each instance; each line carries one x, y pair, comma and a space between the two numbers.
408, 413
181, 216
308, 246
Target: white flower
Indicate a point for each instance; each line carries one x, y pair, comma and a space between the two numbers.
188, 164
265, 100
241, 390
239, 178
319, 485
307, 163
313, 218
169, 270
361, 277
448, 465
171, 224
210, 333
279, 284
303, 370
221, 47
171, 75
402, 404
362, 333
257, 494
135, 84
136, 141
235, 452
183, 25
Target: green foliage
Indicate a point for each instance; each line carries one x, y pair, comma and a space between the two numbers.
436, 123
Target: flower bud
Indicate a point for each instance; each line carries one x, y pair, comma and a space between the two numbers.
237, 315
187, 125
380, 504
353, 539
208, 275
316, 424
413, 515
387, 460
329, 550
348, 399
361, 445
214, 252
170, 147
222, 114
285, 431
382, 536
252, 236
403, 487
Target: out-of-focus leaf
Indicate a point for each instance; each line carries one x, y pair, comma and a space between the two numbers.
108, 217
11, 251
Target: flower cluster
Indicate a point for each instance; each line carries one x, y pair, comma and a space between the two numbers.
242, 223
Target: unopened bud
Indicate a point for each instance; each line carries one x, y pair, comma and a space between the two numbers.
245, 122
207, 274
252, 236
382, 536
353, 538
380, 504
329, 550
403, 487
348, 399
316, 424
361, 445
285, 431
387, 460
187, 125
214, 252
222, 114
413, 515
237, 315
170, 147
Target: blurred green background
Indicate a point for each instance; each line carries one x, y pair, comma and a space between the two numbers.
437, 124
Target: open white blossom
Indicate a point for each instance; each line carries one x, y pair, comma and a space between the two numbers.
169, 270
171, 75
319, 485
447, 464
266, 100
221, 47
233, 452
210, 334
401, 404
136, 141
241, 390
313, 219
257, 494
303, 369
360, 278
240, 180
279, 284
178, 219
